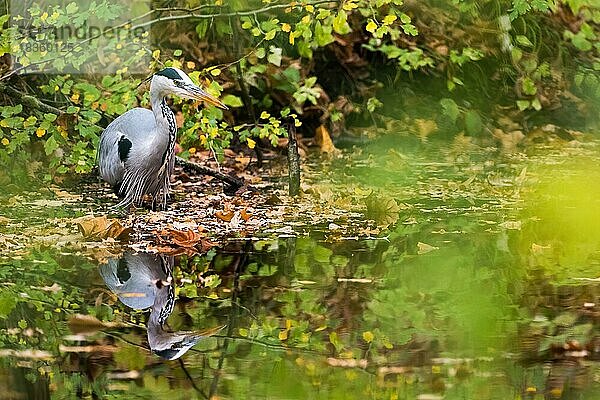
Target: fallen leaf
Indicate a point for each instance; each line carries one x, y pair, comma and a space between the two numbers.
381, 208
117, 231
225, 215
323, 139
424, 248
187, 238
245, 215
102, 228
273, 200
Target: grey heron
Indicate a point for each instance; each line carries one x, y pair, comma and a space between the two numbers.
145, 280
136, 154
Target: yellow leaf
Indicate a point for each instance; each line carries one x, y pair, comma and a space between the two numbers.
371, 26
190, 64
349, 6
286, 27
288, 324
5, 141
292, 37
156, 54
243, 332
75, 97
215, 72
264, 115
192, 150
251, 143
306, 19
368, 336
389, 19
283, 335
44, 16
271, 34
309, 8
40, 132
4, 123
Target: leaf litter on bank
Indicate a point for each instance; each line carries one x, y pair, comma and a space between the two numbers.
338, 206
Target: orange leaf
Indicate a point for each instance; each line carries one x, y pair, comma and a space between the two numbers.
225, 215
324, 141
245, 215
185, 238
102, 228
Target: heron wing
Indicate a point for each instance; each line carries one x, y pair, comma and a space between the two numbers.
129, 131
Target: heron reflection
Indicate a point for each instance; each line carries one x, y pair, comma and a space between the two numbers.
145, 281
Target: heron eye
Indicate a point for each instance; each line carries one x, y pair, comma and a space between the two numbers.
179, 84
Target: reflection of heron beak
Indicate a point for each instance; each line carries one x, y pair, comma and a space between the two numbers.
199, 94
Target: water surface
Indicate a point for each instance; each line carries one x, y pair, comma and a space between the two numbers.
474, 279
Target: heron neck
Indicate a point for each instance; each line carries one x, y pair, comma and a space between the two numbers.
165, 120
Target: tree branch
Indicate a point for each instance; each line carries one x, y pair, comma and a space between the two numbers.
201, 169
244, 13
29, 100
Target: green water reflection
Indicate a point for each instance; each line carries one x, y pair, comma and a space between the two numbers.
482, 287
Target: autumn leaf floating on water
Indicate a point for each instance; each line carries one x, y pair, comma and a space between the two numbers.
424, 248
96, 228
381, 208
194, 240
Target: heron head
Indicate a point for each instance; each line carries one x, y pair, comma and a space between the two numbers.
172, 345
174, 81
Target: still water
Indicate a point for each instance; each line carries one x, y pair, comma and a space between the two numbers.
477, 280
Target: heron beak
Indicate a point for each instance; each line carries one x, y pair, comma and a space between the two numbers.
199, 94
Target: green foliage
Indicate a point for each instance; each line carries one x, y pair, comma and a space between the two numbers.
273, 52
